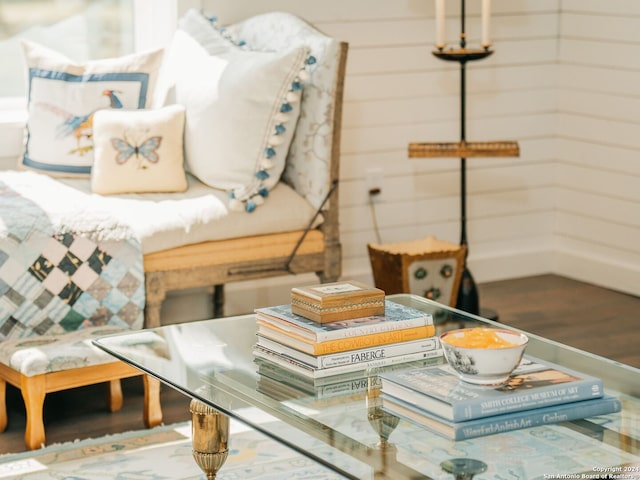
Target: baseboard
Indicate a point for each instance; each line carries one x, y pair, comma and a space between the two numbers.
622, 277
503, 266
240, 298
244, 297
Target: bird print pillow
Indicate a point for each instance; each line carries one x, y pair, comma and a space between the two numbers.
138, 151
63, 98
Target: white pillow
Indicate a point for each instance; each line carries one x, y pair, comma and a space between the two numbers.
241, 112
63, 97
312, 146
138, 151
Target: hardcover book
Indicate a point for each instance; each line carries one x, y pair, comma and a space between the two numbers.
304, 369
351, 356
330, 302
395, 317
501, 423
535, 383
335, 383
343, 344
286, 393
343, 388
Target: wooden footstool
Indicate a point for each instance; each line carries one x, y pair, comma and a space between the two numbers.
38, 365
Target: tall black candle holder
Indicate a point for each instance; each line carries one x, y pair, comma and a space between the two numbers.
468, 299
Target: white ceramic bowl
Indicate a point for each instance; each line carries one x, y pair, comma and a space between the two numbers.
486, 361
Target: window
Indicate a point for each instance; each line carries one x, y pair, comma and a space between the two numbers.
79, 29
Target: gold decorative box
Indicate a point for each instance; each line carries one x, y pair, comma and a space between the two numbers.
331, 302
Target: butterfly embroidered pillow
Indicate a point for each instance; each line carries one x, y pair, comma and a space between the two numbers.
241, 109
138, 151
64, 97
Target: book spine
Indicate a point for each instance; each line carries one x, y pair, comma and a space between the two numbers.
352, 331
518, 401
372, 329
536, 417
351, 356
376, 353
409, 357
345, 344
312, 399
276, 372
310, 372
352, 386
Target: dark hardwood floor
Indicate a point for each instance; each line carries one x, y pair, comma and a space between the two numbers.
575, 313
579, 314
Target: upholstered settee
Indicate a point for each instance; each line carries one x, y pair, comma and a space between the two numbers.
231, 175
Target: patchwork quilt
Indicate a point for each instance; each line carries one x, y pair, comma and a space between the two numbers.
56, 278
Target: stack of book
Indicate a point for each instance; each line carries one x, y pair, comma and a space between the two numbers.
537, 393
285, 384
349, 341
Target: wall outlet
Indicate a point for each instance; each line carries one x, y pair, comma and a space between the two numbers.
373, 180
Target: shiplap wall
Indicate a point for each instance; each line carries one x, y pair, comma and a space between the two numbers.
597, 223
397, 92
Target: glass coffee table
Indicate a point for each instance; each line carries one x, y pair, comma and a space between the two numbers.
345, 429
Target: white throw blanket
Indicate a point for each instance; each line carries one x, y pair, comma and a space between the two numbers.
70, 202
160, 221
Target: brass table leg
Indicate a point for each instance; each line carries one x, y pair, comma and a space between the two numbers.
384, 424
209, 437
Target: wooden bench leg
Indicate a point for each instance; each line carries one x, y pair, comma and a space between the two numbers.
332, 263
33, 393
152, 415
218, 301
114, 395
155, 296
3, 405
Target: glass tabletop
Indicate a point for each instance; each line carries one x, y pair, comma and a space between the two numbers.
342, 425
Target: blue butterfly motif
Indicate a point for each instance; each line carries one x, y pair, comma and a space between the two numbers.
147, 149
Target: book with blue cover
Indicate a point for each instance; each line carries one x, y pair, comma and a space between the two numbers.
507, 422
534, 383
396, 317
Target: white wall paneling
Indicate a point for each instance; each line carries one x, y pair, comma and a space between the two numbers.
597, 220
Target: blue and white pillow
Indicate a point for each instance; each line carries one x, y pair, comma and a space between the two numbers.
242, 108
63, 97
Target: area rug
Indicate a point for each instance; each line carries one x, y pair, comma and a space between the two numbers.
162, 453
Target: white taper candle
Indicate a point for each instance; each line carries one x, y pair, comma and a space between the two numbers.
440, 31
486, 14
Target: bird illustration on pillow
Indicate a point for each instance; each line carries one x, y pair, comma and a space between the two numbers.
80, 126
